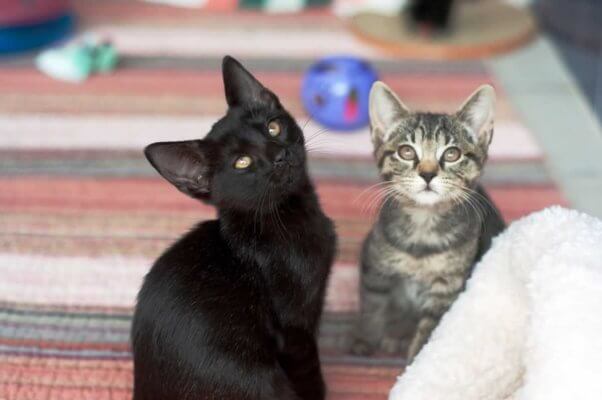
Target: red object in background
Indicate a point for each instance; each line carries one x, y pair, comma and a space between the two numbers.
351, 111
25, 12
221, 5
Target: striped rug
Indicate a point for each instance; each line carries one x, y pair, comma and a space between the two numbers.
82, 215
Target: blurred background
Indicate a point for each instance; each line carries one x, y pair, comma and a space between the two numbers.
86, 84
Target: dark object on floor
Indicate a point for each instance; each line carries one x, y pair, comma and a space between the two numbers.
479, 29
431, 16
577, 21
574, 27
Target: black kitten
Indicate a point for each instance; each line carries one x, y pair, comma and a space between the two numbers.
431, 14
231, 310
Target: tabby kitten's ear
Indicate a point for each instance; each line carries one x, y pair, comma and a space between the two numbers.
385, 109
478, 113
242, 89
184, 164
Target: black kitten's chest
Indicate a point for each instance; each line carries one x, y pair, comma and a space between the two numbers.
295, 269
290, 248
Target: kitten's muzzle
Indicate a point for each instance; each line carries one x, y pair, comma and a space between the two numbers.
428, 176
281, 159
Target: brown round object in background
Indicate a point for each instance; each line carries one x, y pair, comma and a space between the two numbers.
478, 29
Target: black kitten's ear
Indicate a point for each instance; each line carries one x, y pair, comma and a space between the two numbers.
242, 88
184, 164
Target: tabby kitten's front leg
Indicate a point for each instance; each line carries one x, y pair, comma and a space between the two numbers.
426, 325
435, 221
375, 288
442, 295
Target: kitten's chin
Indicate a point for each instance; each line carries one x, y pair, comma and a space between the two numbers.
427, 198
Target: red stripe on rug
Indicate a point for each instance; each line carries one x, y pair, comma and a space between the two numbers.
340, 199
64, 345
437, 87
42, 378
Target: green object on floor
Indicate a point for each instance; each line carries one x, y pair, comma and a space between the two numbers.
76, 62
254, 4
72, 64
104, 58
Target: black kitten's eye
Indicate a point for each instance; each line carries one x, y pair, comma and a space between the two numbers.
406, 152
243, 162
452, 154
274, 128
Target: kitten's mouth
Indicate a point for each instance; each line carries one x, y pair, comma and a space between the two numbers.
428, 189
285, 178
427, 196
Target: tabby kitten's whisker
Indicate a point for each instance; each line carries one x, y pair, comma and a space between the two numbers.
377, 201
369, 188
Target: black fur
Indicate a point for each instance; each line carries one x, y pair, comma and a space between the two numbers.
435, 14
231, 310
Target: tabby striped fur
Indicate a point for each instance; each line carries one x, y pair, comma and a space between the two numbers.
435, 221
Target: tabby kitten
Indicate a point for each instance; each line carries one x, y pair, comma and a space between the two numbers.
230, 311
435, 223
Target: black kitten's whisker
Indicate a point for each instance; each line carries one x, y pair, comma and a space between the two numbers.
320, 152
329, 140
279, 225
306, 122
319, 132
315, 135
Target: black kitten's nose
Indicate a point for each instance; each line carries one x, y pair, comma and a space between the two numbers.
428, 176
280, 158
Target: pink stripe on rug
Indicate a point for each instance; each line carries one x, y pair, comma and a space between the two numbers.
113, 281
511, 141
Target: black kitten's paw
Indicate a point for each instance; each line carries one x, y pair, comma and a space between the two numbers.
317, 392
360, 347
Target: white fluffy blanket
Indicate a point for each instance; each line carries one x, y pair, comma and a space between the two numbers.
528, 326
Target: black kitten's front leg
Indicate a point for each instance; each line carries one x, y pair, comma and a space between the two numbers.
300, 360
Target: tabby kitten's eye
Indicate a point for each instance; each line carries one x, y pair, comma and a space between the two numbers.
274, 128
243, 162
452, 154
407, 152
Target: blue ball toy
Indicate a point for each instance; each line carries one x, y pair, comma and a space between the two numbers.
336, 90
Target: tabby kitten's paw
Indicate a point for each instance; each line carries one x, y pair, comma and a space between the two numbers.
390, 345
360, 347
